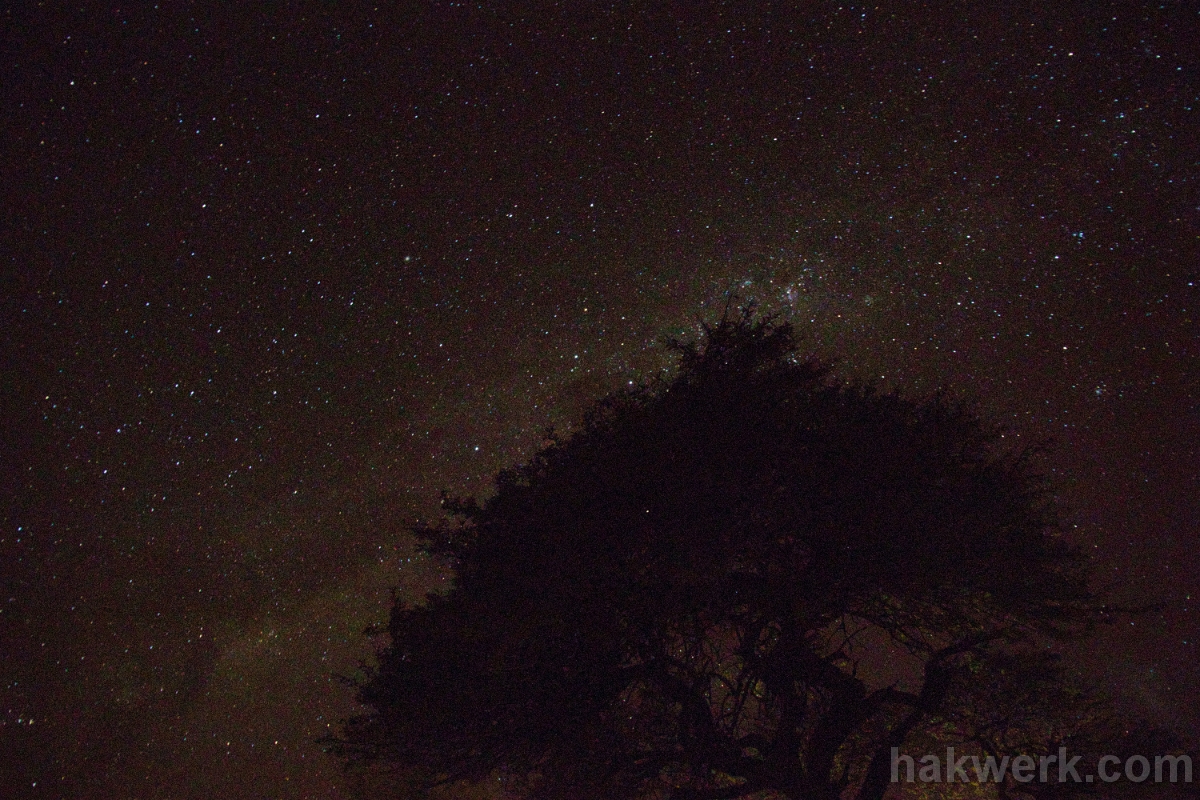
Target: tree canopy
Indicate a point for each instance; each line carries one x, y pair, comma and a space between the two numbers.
747, 579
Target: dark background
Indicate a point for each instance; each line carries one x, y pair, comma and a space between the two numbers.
274, 278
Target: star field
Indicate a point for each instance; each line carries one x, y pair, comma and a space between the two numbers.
272, 281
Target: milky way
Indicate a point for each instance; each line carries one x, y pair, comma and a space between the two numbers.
273, 282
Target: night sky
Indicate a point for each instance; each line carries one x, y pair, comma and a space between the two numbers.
271, 280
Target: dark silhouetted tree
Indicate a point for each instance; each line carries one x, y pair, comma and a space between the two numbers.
747, 580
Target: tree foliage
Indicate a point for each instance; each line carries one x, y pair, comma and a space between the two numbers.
747, 580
